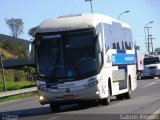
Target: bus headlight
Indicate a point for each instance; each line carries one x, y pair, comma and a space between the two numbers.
97, 92
41, 98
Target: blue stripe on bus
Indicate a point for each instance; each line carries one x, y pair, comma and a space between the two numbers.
122, 58
52, 83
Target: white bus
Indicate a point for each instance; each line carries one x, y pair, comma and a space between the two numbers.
84, 57
151, 65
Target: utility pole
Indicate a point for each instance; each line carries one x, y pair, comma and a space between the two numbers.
151, 38
4, 79
90, 4
148, 39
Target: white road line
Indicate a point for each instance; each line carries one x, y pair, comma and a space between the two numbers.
149, 84
52, 118
157, 111
155, 115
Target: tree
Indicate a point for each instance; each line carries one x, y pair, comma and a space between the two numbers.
30, 73
15, 25
157, 50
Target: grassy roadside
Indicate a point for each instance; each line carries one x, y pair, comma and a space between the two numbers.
18, 97
17, 85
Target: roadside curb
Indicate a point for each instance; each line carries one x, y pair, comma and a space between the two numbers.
15, 92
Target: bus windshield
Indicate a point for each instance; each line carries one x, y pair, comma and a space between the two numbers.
152, 60
66, 55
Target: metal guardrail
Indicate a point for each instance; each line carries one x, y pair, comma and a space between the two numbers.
16, 92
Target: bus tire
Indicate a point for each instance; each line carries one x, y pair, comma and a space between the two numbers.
128, 94
55, 107
139, 75
107, 101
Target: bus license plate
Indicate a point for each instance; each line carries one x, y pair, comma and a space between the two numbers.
68, 97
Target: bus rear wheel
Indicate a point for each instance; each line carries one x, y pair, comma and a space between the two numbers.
55, 107
139, 75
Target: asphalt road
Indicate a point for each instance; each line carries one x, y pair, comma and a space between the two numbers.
145, 100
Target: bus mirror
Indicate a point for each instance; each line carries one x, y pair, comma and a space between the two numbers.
30, 48
33, 42
31, 45
99, 42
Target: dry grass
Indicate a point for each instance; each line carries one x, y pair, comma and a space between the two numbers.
6, 54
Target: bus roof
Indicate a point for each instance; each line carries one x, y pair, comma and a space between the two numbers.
73, 22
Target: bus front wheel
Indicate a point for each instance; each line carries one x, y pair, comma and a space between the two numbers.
55, 107
107, 101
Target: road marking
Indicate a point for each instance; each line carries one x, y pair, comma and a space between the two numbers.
157, 111
52, 118
149, 84
155, 115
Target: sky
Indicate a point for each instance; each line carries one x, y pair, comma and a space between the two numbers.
33, 12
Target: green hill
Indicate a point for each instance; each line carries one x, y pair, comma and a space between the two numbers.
6, 54
13, 47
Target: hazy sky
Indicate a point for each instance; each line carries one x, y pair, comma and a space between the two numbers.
33, 12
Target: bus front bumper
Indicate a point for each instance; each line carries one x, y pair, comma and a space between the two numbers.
47, 97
